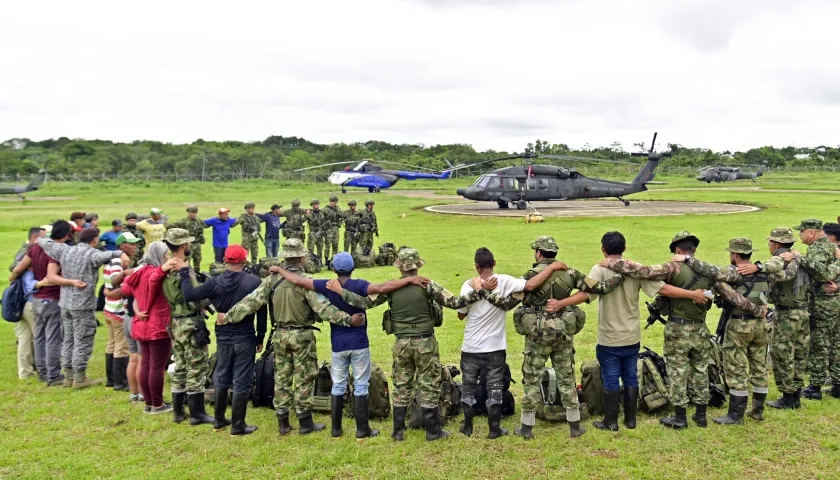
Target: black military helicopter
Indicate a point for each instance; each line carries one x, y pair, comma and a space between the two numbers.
726, 173
19, 191
518, 185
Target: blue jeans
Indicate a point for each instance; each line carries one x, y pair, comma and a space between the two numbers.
219, 254
272, 246
339, 371
618, 362
235, 365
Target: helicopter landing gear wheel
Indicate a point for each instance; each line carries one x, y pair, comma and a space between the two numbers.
502, 204
343, 190
625, 202
370, 189
521, 205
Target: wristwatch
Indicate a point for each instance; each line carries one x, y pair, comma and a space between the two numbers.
760, 266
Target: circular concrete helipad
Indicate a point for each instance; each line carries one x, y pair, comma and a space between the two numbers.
595, 208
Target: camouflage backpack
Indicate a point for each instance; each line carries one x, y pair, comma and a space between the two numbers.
450, 399
551, 409
379, 396
323, 389
592, 386
387, 255
217, 268
653, 381
266, 263
364, 257
311, 263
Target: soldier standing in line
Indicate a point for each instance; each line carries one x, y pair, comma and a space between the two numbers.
412, 319
294, 222
686, 346
832, 231
131, 226
195, 226
368, 226
351, 227
293, 312
333, 217
317, 228
251, 236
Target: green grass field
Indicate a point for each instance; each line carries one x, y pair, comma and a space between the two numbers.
96, 433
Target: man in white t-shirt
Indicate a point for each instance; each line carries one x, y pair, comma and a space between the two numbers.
485, 340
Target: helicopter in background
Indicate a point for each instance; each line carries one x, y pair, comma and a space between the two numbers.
521, 184
19, 191
368, 175
726, 173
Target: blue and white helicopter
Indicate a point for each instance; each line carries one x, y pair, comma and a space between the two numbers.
368, 175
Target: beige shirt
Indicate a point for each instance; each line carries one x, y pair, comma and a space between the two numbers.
618, 311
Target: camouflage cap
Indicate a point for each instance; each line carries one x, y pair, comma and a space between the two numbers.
370, 202
250, 205
545, 243
293, 248
192, 209
740, 245
333, 198
351, 203
683, 237
296, 203
408, 259
781, 235
809, 224
314, 202
178, 236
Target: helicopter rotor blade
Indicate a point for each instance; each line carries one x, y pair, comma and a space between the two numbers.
584, 159
323, 165
511, 157
405, 165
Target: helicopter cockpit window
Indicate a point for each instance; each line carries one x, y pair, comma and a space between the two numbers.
482, 181
494, 182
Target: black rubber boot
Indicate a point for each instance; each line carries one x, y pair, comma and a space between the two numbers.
813, 392
336, 409
362, 414
220, 399
109, 369
737, 408
178, 399
631, 405
835, 391
467, 423
494, 420
399, 424
121, 374
198, 416
787, 402
238, 409
307, 425
678, 421
283, 423
525, 431
575, 430
432, 424
699, 416
797, 398
610, 421
757, 412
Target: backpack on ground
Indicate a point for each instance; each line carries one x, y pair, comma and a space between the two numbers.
364, 257
653, 381
311, 263
717, 378
508, 402
13, 301
323, 389
387, 254
449, 390
210, 384
379, 396
217, 268
592, 386
262, 391
551, 409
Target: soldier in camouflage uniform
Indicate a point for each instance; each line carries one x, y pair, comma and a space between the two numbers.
131, 226
191, 359
686, 347
195, 226
317, 229
351, 227
294, 222
416, 358
552, 340
832, 231
251, 236
368, 227
334, 217
746, 336
824, 307
293, 312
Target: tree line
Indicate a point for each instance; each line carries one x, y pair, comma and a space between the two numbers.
284, 154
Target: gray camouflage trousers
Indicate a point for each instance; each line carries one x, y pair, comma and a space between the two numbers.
191, 363
686, 352
789, 347
561, 352
745, 356
416, 360
79, 330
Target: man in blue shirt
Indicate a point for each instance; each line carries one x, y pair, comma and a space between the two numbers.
221, 231
272, 229
109, 238
350, 346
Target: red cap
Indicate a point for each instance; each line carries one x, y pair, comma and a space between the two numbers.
235, 254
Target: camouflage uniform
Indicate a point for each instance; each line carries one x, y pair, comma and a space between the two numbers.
137, 233
295, 353
351, 227
368, 226
250, 224
294, 222
334, 217
195, 227
317, 228
824, 308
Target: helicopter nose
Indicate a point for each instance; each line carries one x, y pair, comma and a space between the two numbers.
461, 191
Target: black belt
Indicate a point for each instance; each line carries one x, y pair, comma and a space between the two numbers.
685, 321
422, 335
746, 316
297, 327
184, 317
785, 308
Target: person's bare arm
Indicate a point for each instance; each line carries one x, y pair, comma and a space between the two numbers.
697, 296
576, 299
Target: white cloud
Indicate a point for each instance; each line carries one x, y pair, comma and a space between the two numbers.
726, 75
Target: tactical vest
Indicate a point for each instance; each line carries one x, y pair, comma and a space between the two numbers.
289, 306
531, 320
783, 294
558, 286
685, 307
317, 221
332, 216
294, 219
755, 288
177, 303
411, 311
250, 224
351, 221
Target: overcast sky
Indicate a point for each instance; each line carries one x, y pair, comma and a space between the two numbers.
496, 74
